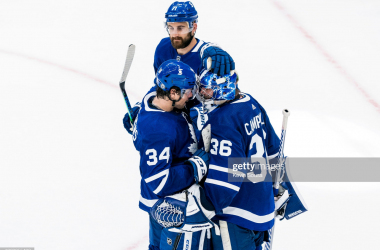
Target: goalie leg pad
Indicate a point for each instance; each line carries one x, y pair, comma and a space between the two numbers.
154, 234
189, 240
234, 237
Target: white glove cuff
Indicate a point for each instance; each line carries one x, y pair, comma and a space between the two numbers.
201, 168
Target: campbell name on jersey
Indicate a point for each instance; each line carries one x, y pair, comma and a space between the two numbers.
241, 129
165, 140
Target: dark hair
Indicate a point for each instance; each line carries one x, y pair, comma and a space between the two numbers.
237, 92
160, 93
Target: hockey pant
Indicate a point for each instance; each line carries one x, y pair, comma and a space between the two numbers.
154, 234
234, 237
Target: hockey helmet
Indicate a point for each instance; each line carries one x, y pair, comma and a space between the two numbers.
173, 73
182, 12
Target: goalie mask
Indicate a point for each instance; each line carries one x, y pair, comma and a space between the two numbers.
214, 90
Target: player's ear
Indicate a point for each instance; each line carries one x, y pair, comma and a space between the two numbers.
173, 94
195, 26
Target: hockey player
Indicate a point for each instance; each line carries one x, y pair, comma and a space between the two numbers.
169, 157
181, 24
240, 128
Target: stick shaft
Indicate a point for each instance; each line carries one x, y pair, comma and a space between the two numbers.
285, 113
127, 66
279, 173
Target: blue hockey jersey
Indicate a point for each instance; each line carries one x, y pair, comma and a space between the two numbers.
165, 140
241, 128
165, 51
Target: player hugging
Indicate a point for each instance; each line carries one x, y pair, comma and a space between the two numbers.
187, 129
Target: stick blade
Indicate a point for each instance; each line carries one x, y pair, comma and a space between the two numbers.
128, 62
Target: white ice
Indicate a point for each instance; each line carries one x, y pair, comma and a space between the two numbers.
69, 174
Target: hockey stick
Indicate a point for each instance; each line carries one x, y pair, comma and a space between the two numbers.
279, 172
206, 136
127, 66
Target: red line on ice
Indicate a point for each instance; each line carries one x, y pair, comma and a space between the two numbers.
329, 58
145, 239
138, 243
67, 69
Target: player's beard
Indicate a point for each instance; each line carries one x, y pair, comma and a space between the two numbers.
181, 43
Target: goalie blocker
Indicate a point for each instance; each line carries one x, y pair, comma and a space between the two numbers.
290, 203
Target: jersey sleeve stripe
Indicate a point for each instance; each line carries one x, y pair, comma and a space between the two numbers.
223, 184
225, 170
198, 46
162, 184
156, 176
148, 203
208, 45
218, 168
248, 215
272, 156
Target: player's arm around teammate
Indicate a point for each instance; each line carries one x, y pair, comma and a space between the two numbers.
166, 141
181, 23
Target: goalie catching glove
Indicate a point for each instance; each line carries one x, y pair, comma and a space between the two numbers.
188, 211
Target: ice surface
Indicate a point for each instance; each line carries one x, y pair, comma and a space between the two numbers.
69, 176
